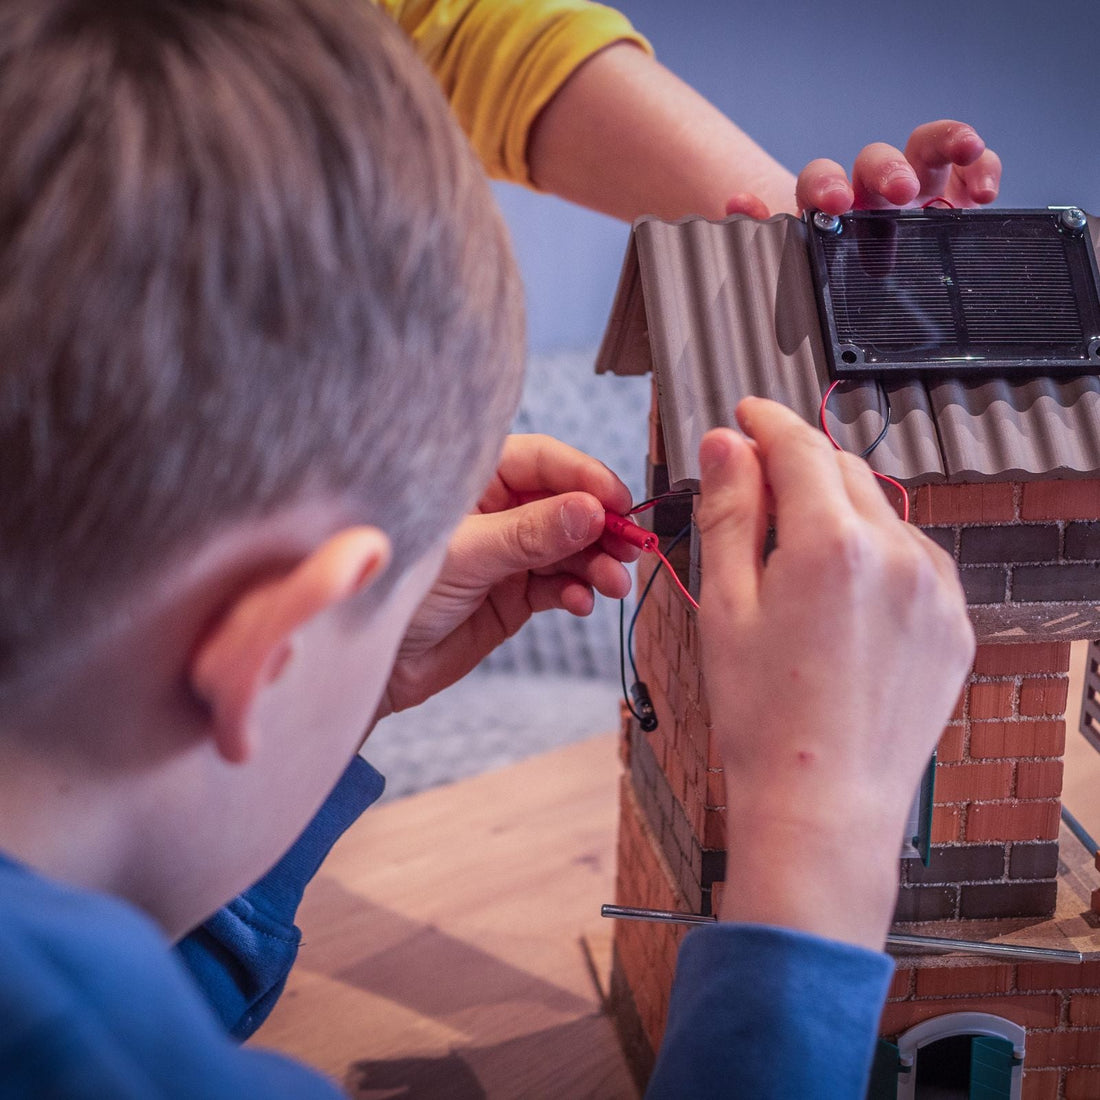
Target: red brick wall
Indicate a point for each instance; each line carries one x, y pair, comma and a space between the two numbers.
1058, 1005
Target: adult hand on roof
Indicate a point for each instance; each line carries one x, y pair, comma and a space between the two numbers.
944, 159
535, 541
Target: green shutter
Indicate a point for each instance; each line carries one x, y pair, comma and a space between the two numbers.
991, 1062
923, 840
884, 1072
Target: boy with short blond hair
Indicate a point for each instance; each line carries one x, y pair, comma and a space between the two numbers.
260, 343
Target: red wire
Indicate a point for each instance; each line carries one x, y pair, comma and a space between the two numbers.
675, 579
939, 198
882, 477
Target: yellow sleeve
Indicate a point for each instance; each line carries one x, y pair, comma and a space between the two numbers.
500, 61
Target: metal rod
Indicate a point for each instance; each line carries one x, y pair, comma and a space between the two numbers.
979, 947
627, 912
894, 939
1079, 831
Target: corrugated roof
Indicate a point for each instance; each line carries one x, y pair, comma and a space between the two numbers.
724, 310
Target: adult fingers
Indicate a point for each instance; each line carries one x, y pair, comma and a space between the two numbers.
540, 464
979, 182
882, 177
746, 203
935, 148
824, 185
732, 518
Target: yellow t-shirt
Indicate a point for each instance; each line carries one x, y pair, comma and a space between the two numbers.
500, 61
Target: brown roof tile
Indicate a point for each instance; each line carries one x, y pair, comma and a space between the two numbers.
723, 310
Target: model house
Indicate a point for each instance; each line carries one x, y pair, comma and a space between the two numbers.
1002, 469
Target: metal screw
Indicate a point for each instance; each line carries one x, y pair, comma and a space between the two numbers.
827, 223
1074, 219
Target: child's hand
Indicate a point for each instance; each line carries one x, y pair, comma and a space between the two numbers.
536, 541
831, 671
943, 159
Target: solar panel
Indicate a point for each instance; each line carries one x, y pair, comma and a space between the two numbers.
956, 293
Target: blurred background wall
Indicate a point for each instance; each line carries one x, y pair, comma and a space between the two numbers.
809, 79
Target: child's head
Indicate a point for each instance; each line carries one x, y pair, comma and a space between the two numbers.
249, 273
247, 259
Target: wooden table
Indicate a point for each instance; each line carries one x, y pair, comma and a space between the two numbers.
453, 945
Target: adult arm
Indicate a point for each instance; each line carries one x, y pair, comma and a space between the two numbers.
499, 62
626, 136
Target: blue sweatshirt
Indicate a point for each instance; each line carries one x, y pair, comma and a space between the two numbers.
94, 1003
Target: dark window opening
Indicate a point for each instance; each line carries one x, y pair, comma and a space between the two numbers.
943, 1069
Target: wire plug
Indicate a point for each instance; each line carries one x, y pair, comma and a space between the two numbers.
627, 529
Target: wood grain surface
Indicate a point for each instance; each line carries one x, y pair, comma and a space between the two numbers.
449, 939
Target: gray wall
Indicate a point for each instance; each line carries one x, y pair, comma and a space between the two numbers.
813, 79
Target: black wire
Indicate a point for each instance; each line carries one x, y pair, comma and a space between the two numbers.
662, 496
622, 663
885, 421
626, 647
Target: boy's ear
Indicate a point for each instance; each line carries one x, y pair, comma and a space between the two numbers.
251, 643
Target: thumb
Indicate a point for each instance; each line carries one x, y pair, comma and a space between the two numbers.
537, 534
744, 202
732, 520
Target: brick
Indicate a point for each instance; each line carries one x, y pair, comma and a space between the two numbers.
984, 901
991, 699
1084, 1011
1063, 1048
1045, 696
960, 863
1039, 778
950, 748
1042, 1084
1033, 860
1082, 1084
943, 537
899, 985
1013, 821
1055, 583
716, 787
1038, 1011
989, 502
966, 782
1082, 541
1045, 976
714, 829
919, 903
1019, 543
994, 659
994, 739
945, 824
952, 981
982, 584
1060, 500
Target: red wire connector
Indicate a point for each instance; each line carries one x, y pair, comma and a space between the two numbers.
647, 541
630, 531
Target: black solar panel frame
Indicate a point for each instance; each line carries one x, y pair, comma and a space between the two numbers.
1017, 303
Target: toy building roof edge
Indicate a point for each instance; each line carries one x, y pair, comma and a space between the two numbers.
723, 310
